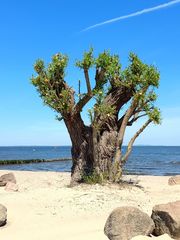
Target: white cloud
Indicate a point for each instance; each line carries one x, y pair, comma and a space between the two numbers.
141, 12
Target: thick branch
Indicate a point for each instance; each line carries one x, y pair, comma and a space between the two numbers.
87, 97
121, 133
86, 74
118, 96
136, 112
125, 120
82, 102
130, 144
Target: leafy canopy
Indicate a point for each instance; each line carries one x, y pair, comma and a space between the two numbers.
139, 78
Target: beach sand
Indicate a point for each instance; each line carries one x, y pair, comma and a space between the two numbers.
46, 208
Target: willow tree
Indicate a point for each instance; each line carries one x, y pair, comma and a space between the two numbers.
119, 98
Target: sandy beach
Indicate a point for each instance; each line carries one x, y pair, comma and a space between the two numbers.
45, 207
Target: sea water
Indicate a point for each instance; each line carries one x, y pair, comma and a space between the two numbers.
144, 160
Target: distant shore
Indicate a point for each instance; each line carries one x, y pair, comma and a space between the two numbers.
26, 161
51, 210
144, 160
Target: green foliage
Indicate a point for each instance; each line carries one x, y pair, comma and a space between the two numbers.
39, 66
139, 75
105, 63
110, 66
51, 85
101, 110
94, 178
87, 61
155, 115
140, 78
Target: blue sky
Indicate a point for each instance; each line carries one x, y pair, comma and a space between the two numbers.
38, 29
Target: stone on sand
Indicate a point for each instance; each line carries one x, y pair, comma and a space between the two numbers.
5, 178
175, 180
167, 219
162, 237
11, 187
127, 222
3, 215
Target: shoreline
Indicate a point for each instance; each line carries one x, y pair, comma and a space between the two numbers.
56, 211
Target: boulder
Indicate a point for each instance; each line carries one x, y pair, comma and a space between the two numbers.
9, 177
167, 219
12, 187
3, 215
127, 222
175, 180
162, 237
2, 184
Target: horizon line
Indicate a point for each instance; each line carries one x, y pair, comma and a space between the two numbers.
136, 145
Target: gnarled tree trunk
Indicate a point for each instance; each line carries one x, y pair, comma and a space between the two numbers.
92, 151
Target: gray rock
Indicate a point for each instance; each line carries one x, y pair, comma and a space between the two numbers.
12, 187
127, 222
9, 177
2, 184
175, 180
162, 237
167, 219
3, 215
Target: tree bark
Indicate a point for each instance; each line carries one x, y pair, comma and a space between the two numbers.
96, 151
81, 147
92, 151
98, 148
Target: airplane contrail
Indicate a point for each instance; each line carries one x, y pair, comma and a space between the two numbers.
144, 11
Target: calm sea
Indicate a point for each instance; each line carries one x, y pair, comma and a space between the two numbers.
144, 160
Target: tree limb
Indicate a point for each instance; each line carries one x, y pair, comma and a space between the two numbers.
130, 144
82, 102
86, 74
125, 120
87, 97
135, 118
118, 96
136, 112
121, 133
